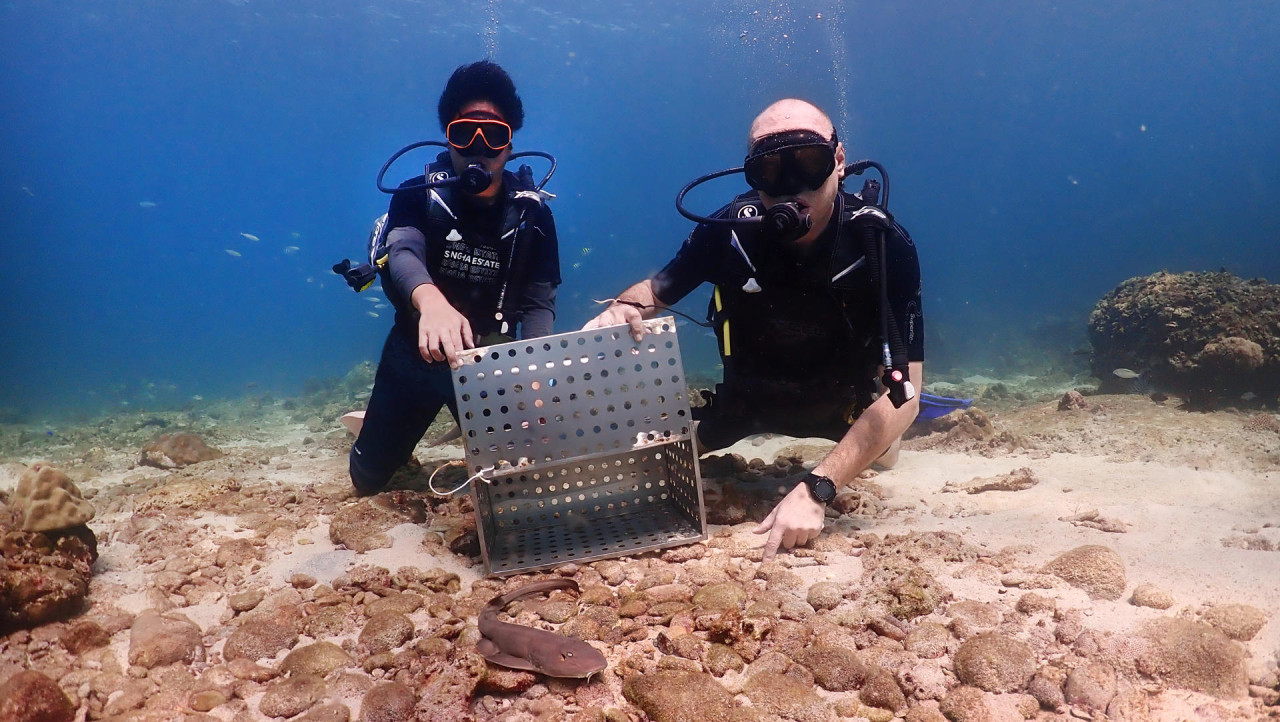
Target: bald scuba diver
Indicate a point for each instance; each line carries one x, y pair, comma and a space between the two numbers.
816, 309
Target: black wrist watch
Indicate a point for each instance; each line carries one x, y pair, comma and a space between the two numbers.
822, 489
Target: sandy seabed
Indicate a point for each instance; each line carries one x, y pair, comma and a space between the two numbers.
975, 514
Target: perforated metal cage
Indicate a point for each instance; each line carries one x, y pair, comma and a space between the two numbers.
586, 442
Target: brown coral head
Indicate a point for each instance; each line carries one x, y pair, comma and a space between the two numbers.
48, 500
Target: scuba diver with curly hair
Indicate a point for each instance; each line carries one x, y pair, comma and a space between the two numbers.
467, 254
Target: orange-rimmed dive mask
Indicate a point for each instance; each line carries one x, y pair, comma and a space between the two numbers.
479, 136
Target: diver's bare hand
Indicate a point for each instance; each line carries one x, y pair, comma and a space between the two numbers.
443, 333
618, 313
796, 520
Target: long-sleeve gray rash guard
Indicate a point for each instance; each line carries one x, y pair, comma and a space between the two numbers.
468, 263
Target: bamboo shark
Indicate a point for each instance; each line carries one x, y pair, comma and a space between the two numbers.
536, 650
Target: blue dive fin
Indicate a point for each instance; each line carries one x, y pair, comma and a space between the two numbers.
933, 406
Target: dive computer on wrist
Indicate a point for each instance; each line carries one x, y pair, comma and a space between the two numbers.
822, 489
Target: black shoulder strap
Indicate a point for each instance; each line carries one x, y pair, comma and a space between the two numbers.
518, 225
847, 254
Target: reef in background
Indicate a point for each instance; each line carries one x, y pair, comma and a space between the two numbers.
1212, 338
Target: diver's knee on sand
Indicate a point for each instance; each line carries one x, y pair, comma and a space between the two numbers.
367, 476
889, 458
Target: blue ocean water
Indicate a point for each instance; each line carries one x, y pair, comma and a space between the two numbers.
1039, 154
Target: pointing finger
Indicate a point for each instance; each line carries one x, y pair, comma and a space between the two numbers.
767, 524
771, 546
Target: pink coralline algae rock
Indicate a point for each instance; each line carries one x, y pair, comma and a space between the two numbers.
44, 575
1094, 568
362, 526
156, 640
173, 451
1194, 656
33, 697
995, 663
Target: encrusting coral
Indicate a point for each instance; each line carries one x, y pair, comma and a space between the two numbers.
48, 500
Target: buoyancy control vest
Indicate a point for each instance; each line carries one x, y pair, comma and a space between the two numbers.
523, 198
792, 332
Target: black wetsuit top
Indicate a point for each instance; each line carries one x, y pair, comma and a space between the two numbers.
468, 261
801, 348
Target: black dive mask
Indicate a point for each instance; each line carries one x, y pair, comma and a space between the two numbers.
779, 165
786, 164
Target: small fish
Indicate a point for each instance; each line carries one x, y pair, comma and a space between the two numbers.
291, 249
576, 266
233, 254
197, 397
586, 250
372, 314
147, 204
373, 299
1126, 373
250, 237
28, 191
1171, 324
379, 305
311, 279
295, 235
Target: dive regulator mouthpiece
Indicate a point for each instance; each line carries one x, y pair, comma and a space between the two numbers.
474, 179
787, 221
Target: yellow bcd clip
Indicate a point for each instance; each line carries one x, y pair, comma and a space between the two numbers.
724, 328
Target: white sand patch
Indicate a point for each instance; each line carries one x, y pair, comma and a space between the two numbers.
1177, 516
325, 561
10, 473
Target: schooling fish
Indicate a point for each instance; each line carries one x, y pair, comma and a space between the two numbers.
250, 236
1126, 373
537, 650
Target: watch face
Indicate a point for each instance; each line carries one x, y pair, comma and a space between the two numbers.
822, 488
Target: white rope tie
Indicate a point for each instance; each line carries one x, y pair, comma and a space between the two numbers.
479, 475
